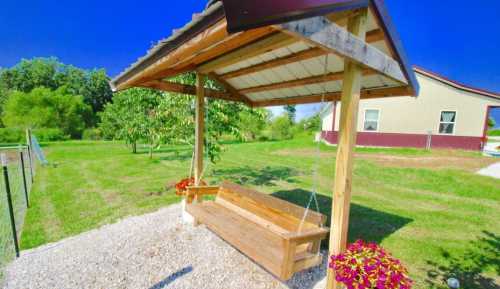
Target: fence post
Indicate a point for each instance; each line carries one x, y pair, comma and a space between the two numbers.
28, 141
9, 202
24, 180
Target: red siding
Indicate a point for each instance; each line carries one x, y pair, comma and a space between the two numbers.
410, 140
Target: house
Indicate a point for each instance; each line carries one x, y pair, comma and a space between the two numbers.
446, 114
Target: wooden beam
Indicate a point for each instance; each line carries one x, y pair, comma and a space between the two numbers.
188, 89
275, 41
321, 32
351, 92
231, 89
334, 96
199, 127
372, 36
333, 76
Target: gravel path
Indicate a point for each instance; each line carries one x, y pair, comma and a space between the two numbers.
491, 171
153, 251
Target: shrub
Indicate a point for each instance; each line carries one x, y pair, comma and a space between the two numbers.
494, 132
50, 134
12, 135
92, 134
281, 128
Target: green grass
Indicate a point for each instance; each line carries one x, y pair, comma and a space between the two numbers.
437, 221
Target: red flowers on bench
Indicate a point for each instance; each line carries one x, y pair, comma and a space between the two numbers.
368, 266
181, 187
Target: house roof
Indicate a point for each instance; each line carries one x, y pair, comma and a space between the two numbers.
456, 84
274, 64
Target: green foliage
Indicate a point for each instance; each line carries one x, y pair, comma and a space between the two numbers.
92, 134
494, 132
291, 111
18, 135
312, 123
281, 128
252, 123
44, 108
92, 85
491, 122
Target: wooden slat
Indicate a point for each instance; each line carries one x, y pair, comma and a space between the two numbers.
334, 76
310, 261
301, 55
275, 41
187, 89
331, 37
372, 36
341, 202
231, 89
272, 202
334, 96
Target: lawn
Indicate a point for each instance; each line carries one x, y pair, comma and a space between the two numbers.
428, 208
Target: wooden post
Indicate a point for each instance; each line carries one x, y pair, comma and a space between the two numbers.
351, 91
199, 127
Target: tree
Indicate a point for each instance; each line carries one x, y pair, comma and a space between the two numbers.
290, 110
44, 108
27, 75
252, 122
491, 123
281, 128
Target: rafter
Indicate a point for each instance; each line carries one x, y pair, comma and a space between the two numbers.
334, 76
334, 96
275, 41
231, 89
372, 36
188, 89
321, 32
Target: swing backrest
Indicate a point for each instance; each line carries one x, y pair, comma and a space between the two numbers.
279, 215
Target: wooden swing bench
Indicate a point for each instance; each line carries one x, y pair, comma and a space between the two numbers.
264, 228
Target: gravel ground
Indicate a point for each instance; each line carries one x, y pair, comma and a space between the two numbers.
491, 171
151, 251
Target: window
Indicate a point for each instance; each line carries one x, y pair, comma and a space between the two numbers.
447, 122
371, 120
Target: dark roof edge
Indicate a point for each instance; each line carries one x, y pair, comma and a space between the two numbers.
199, 23
456, 84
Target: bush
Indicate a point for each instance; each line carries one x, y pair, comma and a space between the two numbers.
12, 135
92, 134
281, 128
50, 134
494, 132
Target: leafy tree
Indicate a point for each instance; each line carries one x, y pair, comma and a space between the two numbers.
491, 123
291, 111
44, 108
252, 122
27, 75
281, 128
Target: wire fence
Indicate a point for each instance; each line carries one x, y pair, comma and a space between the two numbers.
16, 181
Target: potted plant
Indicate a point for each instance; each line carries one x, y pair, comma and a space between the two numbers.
369, 266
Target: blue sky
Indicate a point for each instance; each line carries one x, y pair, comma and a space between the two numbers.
457, 41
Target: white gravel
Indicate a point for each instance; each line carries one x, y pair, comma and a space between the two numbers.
153, 251
491, 171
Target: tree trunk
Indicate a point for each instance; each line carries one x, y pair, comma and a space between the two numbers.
134, 147
150, 151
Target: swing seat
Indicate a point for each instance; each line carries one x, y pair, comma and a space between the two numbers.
266, 229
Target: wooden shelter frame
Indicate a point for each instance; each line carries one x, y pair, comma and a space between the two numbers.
343, 34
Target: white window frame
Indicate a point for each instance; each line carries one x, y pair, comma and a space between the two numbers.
454, 123
378, 119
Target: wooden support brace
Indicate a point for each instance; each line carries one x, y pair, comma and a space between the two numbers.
345, 151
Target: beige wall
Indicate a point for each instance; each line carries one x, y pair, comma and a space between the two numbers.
421, 114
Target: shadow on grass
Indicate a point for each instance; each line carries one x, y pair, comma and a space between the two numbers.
165, 282
481, 256
259, 177
364, 223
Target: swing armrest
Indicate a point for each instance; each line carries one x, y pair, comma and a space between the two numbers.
202, 190
307, 236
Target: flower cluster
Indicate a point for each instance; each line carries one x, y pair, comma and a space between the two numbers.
368, 266
181, 187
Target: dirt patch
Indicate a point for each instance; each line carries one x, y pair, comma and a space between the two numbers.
438, 159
